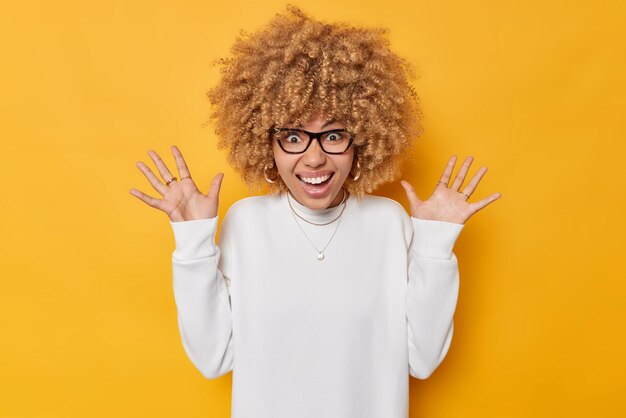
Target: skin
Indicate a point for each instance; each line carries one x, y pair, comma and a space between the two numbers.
182, 201
447, 203
313, 162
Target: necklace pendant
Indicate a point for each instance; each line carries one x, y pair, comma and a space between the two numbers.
320, 256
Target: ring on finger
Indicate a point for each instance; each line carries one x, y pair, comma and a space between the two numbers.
170, 180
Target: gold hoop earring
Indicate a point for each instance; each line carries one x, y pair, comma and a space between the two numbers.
358, 172
269, 180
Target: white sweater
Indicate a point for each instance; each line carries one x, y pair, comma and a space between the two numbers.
304, 338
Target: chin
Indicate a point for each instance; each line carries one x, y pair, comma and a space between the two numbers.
318, 204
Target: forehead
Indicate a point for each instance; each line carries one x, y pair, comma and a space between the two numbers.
317, 124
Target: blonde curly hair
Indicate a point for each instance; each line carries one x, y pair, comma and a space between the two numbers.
296, 67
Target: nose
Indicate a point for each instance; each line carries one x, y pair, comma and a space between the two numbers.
315, 155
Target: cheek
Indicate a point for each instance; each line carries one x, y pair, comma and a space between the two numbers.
284, 163
277, 157
346, 165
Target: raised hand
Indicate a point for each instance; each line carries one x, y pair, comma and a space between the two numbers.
448, 204
182, 201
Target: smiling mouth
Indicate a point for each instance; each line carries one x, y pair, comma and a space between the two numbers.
316, 181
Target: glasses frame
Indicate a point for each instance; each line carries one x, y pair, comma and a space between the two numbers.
312, 136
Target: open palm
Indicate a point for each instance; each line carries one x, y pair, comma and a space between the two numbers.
182, 201
448, 204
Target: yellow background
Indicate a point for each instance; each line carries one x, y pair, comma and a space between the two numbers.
534, 90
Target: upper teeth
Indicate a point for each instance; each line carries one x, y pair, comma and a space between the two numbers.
315, 180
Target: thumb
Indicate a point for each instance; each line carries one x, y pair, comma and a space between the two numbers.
414, 200
216, 184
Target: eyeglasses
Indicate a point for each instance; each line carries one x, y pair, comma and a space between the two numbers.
297, 141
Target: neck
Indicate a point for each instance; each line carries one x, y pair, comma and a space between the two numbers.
338, 199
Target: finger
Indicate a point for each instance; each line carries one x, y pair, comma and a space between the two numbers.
183, 171
460, 176
447, 172
216, 184
151, 201
165, 172
414, 200
476, 206
469, 189
154, 181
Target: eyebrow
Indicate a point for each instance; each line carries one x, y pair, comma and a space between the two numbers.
329, 122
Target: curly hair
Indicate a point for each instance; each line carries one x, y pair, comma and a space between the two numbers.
296, 67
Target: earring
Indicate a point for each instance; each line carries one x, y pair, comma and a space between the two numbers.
269, 180
358, 171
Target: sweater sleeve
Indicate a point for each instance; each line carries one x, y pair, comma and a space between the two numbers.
432, 292
202, 295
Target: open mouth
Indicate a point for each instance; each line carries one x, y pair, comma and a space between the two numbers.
316, 182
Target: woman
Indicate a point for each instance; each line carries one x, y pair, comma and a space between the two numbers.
320, 298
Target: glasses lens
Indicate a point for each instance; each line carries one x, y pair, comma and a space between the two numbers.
296, 141
335, 141
293, 141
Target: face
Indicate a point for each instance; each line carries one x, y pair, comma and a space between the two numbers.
298, 171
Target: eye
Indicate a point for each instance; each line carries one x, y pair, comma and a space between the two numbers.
292, 138
335, 137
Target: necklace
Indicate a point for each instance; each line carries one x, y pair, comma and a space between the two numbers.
320, 253
343, 202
